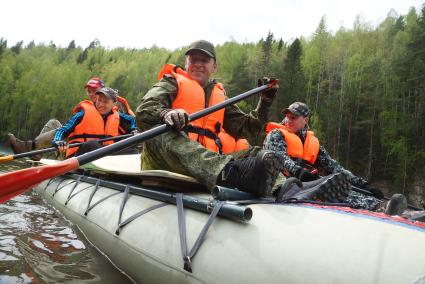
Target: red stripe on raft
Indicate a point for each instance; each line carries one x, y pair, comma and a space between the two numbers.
15, 183
373, 214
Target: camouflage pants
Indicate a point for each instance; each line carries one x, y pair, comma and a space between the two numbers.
354, 199
44, 139
362, 201
174, 151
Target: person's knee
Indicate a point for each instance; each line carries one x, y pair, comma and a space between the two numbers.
88, 147
53, 124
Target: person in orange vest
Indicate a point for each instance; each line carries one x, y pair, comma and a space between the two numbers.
47, 133
304, 156
93, 121
95, 83
123, 106
213, 149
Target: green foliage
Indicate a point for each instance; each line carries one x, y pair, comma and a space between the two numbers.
292, 79
365, 86
3, 45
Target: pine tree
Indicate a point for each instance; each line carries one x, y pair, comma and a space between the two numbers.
3, 45
17, 48
293, 76
267, 47
71, 45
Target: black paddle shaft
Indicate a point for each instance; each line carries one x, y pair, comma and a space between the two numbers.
52, 149
138, 138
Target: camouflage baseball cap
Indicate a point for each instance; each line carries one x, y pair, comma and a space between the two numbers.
108, 92
298, 109
204, 46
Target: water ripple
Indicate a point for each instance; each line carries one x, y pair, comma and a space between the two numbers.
37, 245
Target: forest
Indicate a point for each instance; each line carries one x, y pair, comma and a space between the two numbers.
364, 85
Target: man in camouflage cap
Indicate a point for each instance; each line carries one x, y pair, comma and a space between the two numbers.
179, 93
303, 163
298, 109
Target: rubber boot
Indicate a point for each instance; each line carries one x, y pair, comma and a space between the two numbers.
18, 145
396, 205
330, 188
290, 188
254, 174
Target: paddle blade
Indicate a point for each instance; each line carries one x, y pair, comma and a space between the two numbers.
15, 183
6, 159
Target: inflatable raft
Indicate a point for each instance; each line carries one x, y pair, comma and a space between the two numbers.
159, 227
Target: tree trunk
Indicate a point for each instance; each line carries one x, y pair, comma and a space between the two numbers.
319, 80
405, 171
372, 123
341, 103
310, 80
350, 117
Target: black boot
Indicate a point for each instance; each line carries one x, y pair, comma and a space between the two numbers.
255, 175
330, 188
396, 205
290, 188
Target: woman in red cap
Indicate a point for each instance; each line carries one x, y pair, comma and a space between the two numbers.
93, 85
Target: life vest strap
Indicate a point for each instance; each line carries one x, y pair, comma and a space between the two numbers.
207, 133
85, 135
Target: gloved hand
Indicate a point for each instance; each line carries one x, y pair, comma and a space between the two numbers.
304, 175
269, 94
377, 193
178, 118
60, 145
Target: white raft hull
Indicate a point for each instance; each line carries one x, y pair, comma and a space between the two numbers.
280, 244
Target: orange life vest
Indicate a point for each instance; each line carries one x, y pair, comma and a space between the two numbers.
92, 126
207, 130
295, 148
126, 105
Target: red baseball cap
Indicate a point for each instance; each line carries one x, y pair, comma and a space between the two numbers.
95, 83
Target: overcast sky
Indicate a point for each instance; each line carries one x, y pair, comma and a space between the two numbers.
172, 24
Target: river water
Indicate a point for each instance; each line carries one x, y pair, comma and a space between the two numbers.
38, 245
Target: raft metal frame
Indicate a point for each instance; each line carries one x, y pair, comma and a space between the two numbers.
229, 210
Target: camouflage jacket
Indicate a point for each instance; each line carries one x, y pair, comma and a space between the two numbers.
236, 123
274, 141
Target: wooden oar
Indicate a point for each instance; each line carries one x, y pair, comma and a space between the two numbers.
15, 183
53, 149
